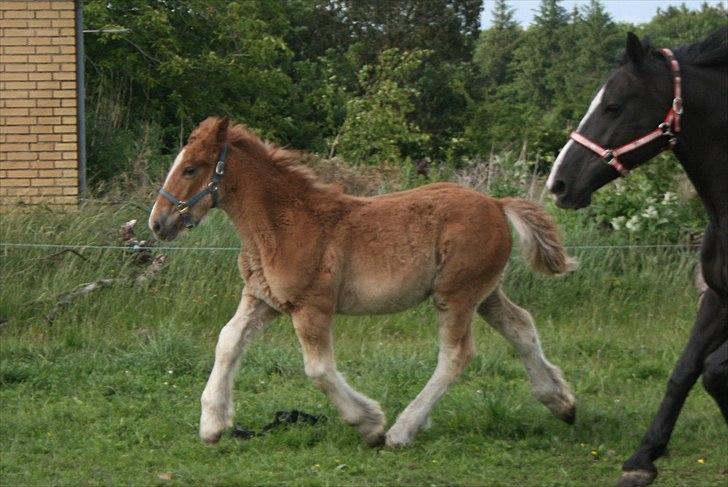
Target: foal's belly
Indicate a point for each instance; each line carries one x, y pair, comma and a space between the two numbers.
377, 292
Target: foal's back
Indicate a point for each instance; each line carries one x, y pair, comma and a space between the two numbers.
400, 248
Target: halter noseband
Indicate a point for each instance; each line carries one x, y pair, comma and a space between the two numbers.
670, 126
183, 207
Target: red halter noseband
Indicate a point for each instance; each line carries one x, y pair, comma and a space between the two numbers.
669, 127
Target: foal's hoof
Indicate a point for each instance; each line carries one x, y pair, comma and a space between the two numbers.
376, 441
569, 416
636, 478
210, 438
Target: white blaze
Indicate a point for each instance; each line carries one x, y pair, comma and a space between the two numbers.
592, 108
177, 162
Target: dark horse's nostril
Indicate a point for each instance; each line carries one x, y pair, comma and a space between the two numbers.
156, 227
558, 187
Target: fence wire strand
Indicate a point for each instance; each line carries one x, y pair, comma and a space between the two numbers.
49, 246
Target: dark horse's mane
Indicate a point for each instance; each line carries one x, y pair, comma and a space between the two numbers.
711, 51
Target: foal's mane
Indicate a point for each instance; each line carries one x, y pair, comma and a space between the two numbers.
288, 160
711, 51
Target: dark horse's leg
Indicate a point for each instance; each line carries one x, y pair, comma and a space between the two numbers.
715, 377
709, 332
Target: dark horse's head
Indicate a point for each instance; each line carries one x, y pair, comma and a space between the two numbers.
632, 103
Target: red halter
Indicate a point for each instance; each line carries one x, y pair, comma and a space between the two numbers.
669, 127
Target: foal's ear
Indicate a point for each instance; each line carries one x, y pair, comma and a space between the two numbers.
635, 50
222, 128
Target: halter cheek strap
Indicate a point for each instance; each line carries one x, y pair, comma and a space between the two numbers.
670, 126
183, 207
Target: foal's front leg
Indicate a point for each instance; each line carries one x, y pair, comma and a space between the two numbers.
217, 404
313, 329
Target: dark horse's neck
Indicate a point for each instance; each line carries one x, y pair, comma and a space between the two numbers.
703, 152
703, 146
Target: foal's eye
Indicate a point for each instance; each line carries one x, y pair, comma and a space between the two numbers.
613, 108
190, 171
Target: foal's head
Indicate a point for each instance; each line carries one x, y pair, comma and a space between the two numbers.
632, 103
190, 189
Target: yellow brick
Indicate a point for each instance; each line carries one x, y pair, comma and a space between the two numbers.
40, 58
42, 146
15, 58
40, 94
49, 137
64, 111
70, 191
18, 50
48, 85
17, 33
14, 76
68, 164
61, 41
42, 182
40, 23
14, 165
64, 75
49, 103
70, 173
40, 76
47, 67
65, 200
7, 182
22, 156
16, 129
64, 93
69, 156
13, 23
47, 49
67, 14
42, 165
39, 41
41, 111
69, 137
64, 129
12, 145
50, 173
63, 5
65, 146
22, 191
22, 173
8, 112
20, 121
46, 14
68, 85
51, 191
35, 5
67, 31
66, 181
68, 102
13, 41
19, 85
18, 68
18, 14
64, 23
20, 102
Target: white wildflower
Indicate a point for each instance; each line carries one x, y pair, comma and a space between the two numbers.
618, 222
633, 224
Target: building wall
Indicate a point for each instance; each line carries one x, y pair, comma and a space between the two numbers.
38, 125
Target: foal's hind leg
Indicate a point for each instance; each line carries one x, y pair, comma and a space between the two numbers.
516, 325
314, 332
217, 404
456, 350
715, 377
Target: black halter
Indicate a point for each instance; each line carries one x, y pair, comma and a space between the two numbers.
183, 207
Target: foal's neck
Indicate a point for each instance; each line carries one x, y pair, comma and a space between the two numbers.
266, 197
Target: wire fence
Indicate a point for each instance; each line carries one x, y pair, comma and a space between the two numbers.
54, 246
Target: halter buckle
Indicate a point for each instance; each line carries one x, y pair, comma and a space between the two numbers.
666, 129
677, 105
220, 168
608, 156
182, 207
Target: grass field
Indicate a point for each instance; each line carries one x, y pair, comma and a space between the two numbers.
109, 393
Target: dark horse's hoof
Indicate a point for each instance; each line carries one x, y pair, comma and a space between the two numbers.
636, 478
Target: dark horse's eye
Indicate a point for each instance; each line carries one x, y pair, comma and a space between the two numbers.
613, 108
190, 170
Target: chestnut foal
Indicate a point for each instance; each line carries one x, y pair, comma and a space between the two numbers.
311, 251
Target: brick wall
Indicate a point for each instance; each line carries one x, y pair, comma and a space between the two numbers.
38, 133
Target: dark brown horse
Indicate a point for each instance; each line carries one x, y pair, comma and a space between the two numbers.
657, 100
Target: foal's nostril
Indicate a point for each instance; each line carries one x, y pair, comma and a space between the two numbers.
156, 227
558, 187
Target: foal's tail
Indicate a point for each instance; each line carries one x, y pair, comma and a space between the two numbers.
540, 239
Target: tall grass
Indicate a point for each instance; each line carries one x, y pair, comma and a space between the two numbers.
108, 393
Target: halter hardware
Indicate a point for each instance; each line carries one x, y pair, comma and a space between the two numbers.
670, 126
183, 207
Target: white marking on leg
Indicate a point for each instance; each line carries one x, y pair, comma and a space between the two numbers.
355, 408
452, 359
517, 326
217, 405
562, 154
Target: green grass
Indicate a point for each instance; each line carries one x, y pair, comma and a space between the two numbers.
109, 393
